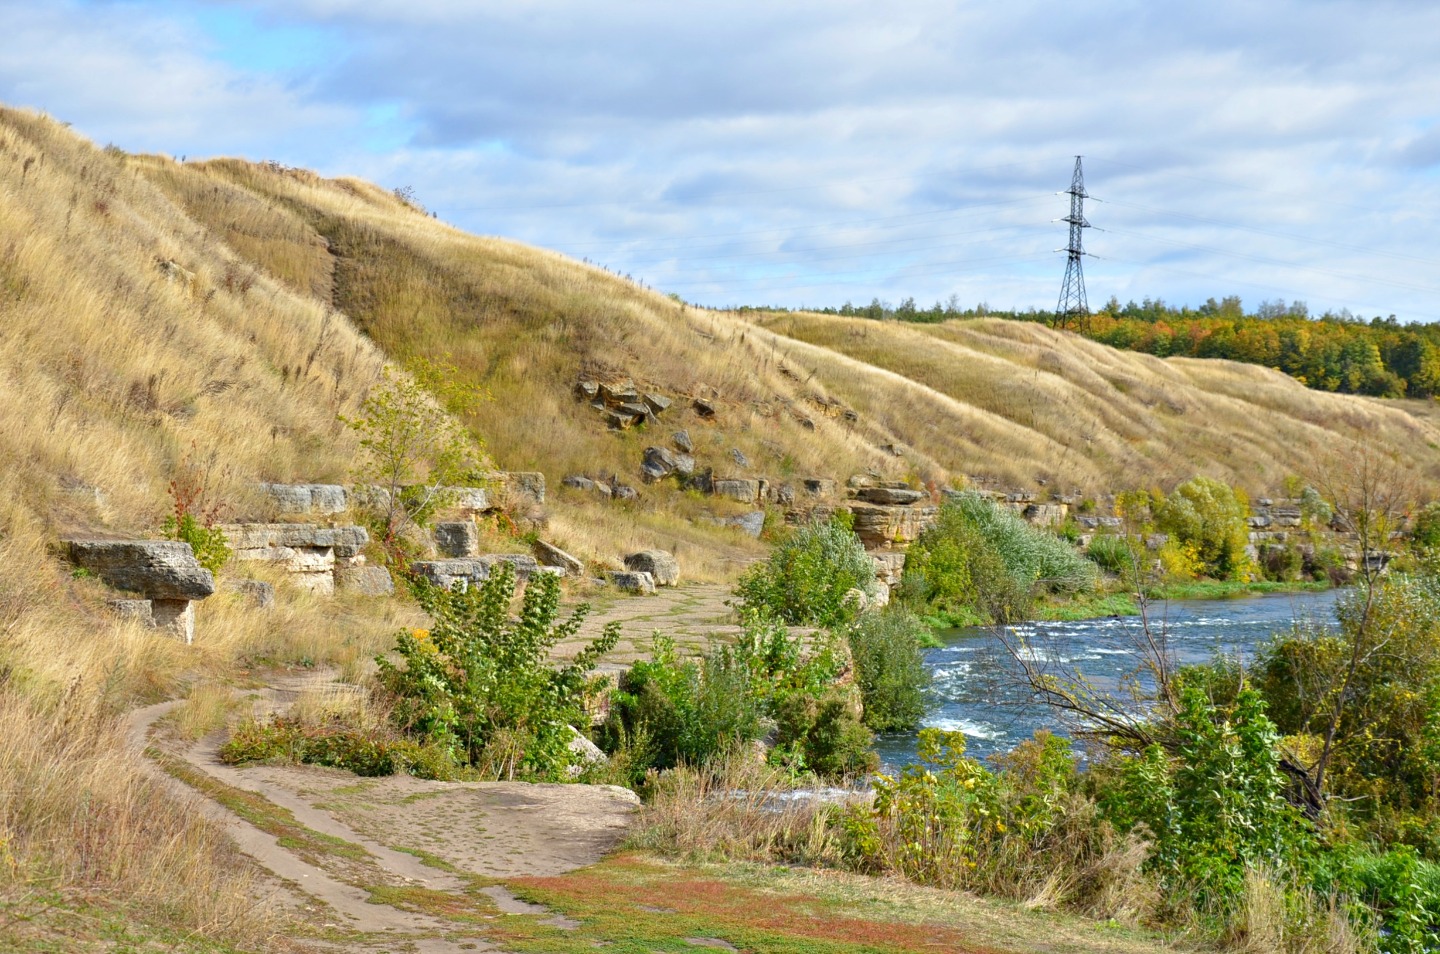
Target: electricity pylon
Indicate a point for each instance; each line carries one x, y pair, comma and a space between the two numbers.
1072, 306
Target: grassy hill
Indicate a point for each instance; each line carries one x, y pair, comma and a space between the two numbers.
213, 321
1001, 403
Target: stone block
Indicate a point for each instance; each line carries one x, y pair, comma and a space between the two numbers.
365, 580
657, 403
175, 617
1046, 514
578, 482
457, 538
138, 610
525, 565
632, 581
550, 555
750, 524
891, 496
446, 573
819, 486
889, 566
880, 527
742, 489
257, 593
682, 442
662, 566
160, 569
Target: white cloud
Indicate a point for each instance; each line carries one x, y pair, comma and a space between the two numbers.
1279, 149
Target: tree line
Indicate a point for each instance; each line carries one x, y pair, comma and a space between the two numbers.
1340, 352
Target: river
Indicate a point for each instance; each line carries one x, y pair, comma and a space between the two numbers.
974, 690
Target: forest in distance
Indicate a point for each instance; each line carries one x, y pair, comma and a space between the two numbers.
1336, 351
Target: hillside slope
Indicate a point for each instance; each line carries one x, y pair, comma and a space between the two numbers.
1007, 404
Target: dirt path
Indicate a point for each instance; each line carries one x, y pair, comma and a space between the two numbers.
364, 840
691, 614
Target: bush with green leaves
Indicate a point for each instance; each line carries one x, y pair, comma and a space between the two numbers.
981, 557
885, 648
1215, 803
1208, 515
667, 711
480, 684
1425, 532
806, 580
364, 753
1115, 553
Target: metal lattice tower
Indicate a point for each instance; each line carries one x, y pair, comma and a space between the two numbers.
1072, 307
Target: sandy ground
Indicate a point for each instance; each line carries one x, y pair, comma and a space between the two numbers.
411, 833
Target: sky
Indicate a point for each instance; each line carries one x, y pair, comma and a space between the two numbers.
812, 153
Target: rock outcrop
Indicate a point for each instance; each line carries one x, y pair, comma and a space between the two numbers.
311, 555
165, 572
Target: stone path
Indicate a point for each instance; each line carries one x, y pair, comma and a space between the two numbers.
691, 614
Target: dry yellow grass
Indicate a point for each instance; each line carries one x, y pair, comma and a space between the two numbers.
218, 317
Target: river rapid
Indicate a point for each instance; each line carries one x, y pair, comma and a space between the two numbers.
975, 691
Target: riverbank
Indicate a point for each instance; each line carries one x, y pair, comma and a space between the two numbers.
1115, 603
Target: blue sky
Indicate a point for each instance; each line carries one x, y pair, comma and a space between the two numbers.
810, 153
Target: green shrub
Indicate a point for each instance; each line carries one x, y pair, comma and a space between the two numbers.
980, 556
1426, 531
479, 680
366, 754
1217, 806
1114, 554
211, 548
1209, 516
890, 668
668, 712
807, 577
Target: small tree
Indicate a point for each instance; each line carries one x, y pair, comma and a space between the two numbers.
481, 684
1208, 516
807, 577
414, 445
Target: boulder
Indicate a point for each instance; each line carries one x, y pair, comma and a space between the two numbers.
587, 390
622, 392
743, 489
365, 580
891, 496
617, 421
655, 402
662, 566
750, 524
550, 555
623, 491
584, 754
522, 485
682, 442
457, 538
632, 581
703, 408
658, 464
739, 458
577, 482
160, 569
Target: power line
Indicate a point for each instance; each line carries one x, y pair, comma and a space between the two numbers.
1072, 306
